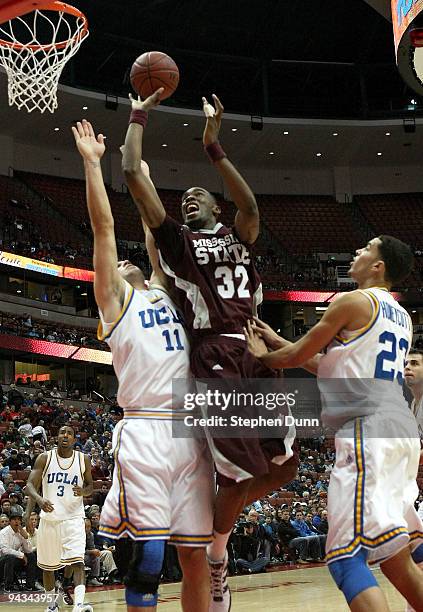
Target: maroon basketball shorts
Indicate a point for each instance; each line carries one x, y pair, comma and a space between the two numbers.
238, 458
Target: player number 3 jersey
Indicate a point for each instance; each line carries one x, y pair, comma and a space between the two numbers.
60, 475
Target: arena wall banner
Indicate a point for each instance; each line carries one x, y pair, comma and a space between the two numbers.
43, 267
54, 349
403, 13
26, 263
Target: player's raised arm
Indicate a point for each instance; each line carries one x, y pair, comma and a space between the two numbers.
247, 220
109, 287
141, 187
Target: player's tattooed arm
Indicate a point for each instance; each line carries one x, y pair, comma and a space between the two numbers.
247, 219
140, 185
32, 488
88, 487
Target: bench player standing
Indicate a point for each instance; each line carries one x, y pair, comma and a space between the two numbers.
162, 486
218, 289
64, 476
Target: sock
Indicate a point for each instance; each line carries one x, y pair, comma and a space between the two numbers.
217, 549
51, 598
79, 594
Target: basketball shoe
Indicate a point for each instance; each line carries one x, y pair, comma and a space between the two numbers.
83, 608
220, 591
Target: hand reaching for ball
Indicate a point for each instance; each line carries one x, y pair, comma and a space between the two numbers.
147, 104
214, 120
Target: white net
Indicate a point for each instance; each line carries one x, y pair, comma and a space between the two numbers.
34, 49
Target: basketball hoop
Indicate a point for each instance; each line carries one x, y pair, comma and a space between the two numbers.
34, 48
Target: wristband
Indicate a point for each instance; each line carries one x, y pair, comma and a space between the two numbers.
215, 151
138, 116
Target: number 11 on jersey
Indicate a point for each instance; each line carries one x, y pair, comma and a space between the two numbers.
170, 346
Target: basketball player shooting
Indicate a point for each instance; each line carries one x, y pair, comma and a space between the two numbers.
64, 476
218, 289
373, 485
162, 487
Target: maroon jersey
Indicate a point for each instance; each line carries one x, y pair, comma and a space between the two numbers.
216, 283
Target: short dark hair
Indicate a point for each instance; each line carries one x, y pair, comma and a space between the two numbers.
397, 257
415, 351
69, 427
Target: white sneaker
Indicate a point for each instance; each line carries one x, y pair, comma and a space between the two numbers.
52, 608
220, 591
83, 608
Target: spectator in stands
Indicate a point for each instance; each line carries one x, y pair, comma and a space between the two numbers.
291, 537
5, 506
13, 462
268, 537
10, 413
247, 551
16, 503
316, 548
16, 553
106, 548
323, 525
10, 488
25, 429
15, 397
4, 521
39, 433
54, 393
309, 522
92, 556
419, 343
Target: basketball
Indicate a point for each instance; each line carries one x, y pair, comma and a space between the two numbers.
152, 70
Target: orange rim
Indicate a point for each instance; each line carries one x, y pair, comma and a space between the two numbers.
58, 7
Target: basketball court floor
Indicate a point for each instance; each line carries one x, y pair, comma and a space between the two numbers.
296, 590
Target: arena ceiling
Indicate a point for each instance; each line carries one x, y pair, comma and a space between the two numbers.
303, 58
323, 58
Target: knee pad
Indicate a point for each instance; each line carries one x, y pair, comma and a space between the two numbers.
417, 554
352, 575
142, 579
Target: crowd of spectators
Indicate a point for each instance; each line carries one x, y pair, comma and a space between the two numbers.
29, 327
288, 526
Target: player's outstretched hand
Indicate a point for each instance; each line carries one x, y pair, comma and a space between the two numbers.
46, 505
90, 147
77, 491
147, 104
271, 338
256, 345
214, 120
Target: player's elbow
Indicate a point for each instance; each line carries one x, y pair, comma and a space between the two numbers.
131, 170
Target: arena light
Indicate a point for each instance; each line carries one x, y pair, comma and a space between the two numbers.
256, 123
409, 125
111, 102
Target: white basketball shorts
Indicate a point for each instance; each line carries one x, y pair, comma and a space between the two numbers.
60, 543
373, 488
163, 487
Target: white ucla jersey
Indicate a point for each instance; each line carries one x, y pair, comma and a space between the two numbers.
417, 410
149, 347
371, 359
60, 475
